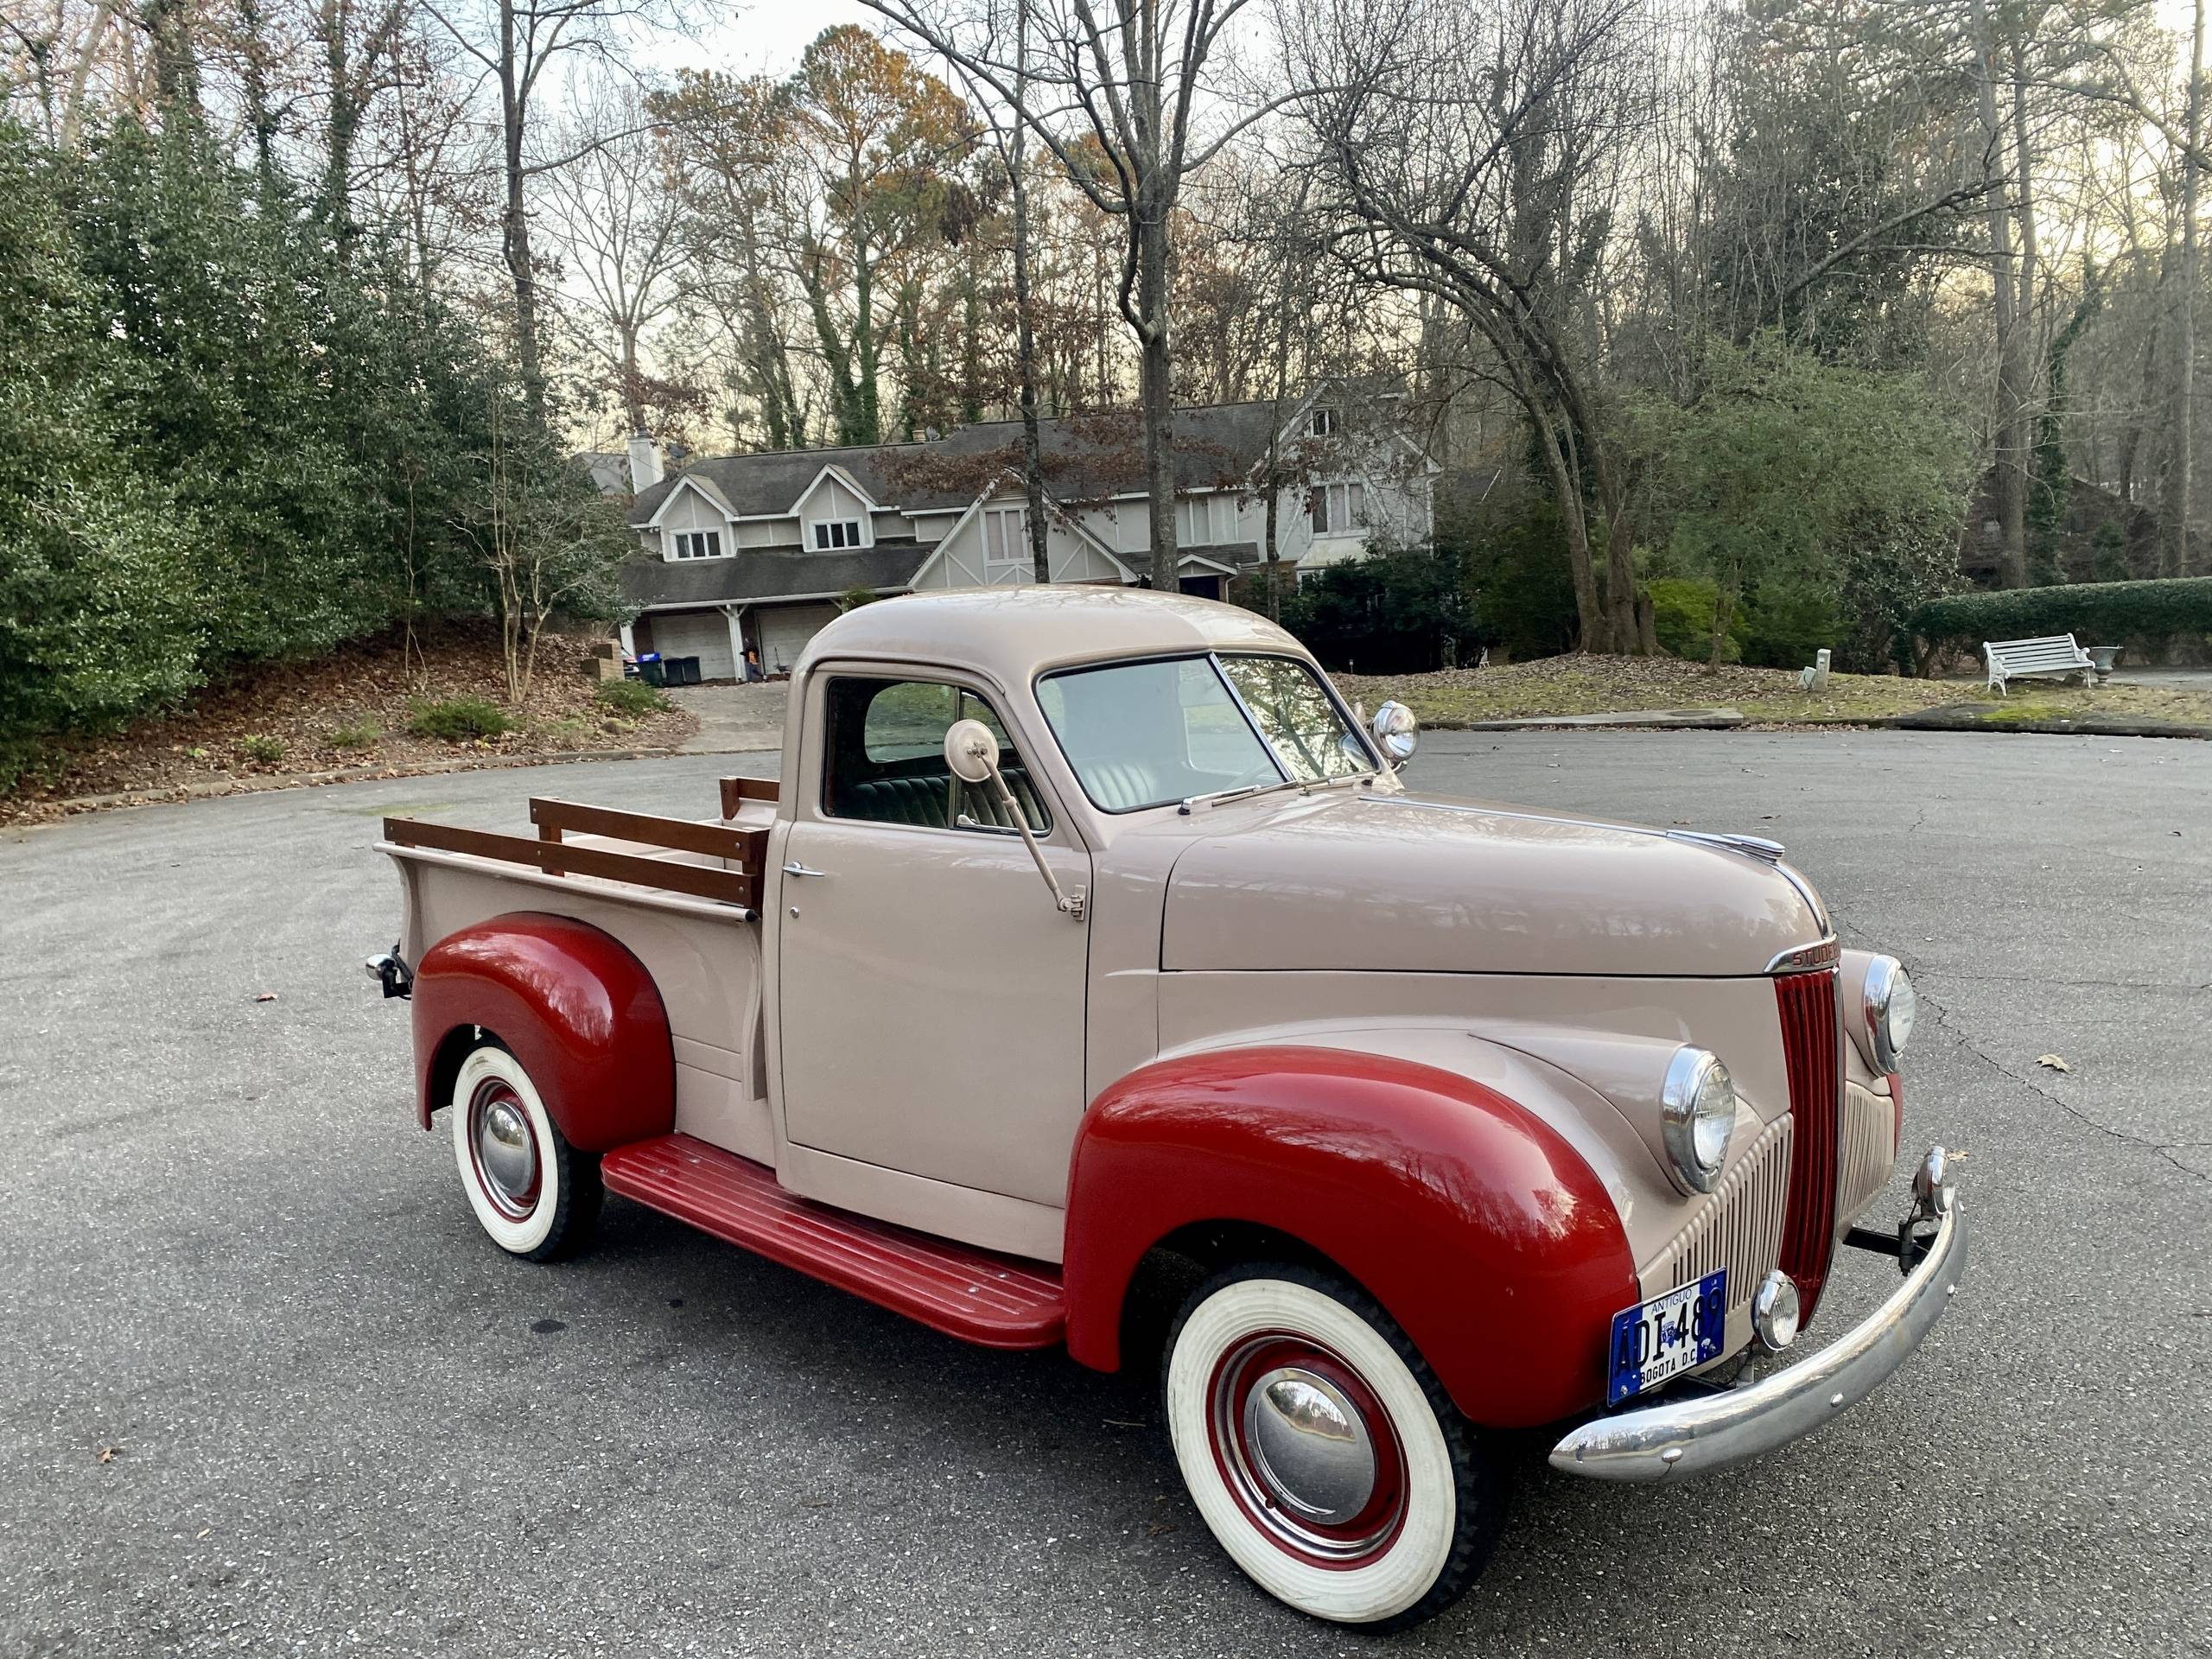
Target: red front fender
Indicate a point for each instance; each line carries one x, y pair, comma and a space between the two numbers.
578, 1010
1487, 1236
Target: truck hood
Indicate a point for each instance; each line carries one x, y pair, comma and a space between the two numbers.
1428, 884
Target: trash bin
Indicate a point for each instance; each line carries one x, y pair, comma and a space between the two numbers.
652, 670
686, 670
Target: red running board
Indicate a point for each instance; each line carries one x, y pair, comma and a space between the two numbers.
998, 1301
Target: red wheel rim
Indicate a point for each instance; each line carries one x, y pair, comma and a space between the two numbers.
1340, 1542
509, 1172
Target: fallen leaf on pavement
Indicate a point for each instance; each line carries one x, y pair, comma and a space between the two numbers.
266, 996
108, 1453
2052, 1062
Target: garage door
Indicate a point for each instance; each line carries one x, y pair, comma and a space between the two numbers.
703, 634
784, 630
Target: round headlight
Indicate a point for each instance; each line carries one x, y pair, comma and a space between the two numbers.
1775, 1313
1697, 1114
1891, 1005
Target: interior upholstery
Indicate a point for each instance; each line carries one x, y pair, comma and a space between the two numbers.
927, 798
1120, 785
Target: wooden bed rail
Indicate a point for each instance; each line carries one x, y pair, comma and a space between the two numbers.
743, 849
737, 790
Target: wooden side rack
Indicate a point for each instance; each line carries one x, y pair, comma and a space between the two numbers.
738, 791
742, 851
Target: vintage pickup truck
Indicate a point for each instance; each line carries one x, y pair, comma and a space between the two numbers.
1091, 976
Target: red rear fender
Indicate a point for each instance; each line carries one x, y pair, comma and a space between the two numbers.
1485, 1235
578, 1010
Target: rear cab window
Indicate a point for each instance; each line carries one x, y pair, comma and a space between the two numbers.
884, 758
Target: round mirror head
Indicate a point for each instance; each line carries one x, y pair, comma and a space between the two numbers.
970, 751
1397, 733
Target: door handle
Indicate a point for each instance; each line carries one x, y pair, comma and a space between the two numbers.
797, 868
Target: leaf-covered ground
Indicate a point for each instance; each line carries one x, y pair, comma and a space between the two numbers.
1593, 685
350, 709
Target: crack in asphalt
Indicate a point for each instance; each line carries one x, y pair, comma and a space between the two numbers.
2165, 1149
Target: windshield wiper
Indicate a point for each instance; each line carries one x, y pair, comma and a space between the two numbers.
1222, 797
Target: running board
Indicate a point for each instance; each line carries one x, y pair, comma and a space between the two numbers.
996, 1302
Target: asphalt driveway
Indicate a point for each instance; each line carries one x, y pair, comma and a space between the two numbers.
265, 1388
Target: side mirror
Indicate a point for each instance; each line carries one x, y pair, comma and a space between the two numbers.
1397, 733
971, 752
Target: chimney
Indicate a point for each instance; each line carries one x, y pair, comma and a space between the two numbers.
644, 463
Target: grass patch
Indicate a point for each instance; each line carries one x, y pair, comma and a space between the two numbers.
457, 720
356, 734
260, 748
631, 697
1598, 685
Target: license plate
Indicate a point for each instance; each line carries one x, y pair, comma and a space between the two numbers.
1667, 1336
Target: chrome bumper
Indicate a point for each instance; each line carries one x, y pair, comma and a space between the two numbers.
1690, 1435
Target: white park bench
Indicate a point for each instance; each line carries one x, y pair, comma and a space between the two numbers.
2055, 654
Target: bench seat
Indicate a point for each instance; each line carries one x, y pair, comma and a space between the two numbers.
2055, 655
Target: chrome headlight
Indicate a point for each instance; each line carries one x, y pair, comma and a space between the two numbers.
1697, 1114
1891, 1005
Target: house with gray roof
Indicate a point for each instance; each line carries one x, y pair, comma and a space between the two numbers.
751, 554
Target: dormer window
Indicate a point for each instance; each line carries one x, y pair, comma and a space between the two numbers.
1322, 422
699, 545
833, 533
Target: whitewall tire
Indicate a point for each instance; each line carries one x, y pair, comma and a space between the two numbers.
1320, 1450
536, 1196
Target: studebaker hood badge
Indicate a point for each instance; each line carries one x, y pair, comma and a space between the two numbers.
1411, 884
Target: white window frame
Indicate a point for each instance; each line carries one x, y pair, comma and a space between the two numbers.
687, 544
1006, 528
1337, 509
1322, 422
837, 535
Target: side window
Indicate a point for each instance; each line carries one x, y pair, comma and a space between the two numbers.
884, 760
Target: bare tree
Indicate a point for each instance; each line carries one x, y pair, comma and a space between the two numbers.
518, 42
1468, 153
1123, 92
615, 216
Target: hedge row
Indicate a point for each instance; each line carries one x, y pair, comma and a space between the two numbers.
2094, 613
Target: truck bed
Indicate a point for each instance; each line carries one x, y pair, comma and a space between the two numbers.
683, 895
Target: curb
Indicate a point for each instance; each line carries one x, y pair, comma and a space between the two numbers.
1686, 719
268, 783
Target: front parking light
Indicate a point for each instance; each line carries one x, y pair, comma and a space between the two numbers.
1774, 1311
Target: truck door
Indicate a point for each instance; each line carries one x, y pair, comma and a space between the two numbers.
932, 996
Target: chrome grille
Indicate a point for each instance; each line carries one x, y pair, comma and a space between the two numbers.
1867, 1152
1740, 1227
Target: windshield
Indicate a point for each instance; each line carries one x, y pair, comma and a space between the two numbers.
1146, 733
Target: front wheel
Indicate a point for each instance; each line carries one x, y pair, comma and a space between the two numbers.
1322, 1451
535, 1194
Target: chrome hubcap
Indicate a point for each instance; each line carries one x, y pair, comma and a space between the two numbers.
507, 1152
1309, 1452
1310, 1445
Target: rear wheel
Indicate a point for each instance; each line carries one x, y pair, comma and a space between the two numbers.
1322, 1451
535, 1194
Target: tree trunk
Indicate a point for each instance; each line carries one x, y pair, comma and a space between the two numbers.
1155, 385
2009, 416
1025, 335
2177, 559
514, 229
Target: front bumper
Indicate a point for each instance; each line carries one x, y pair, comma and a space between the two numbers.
1689, 1435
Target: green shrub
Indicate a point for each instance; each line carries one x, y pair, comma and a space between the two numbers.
357, 734
1681, 615
2094, 613
631, 697
261, 749
1787, 623
1390, 611
459, 719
